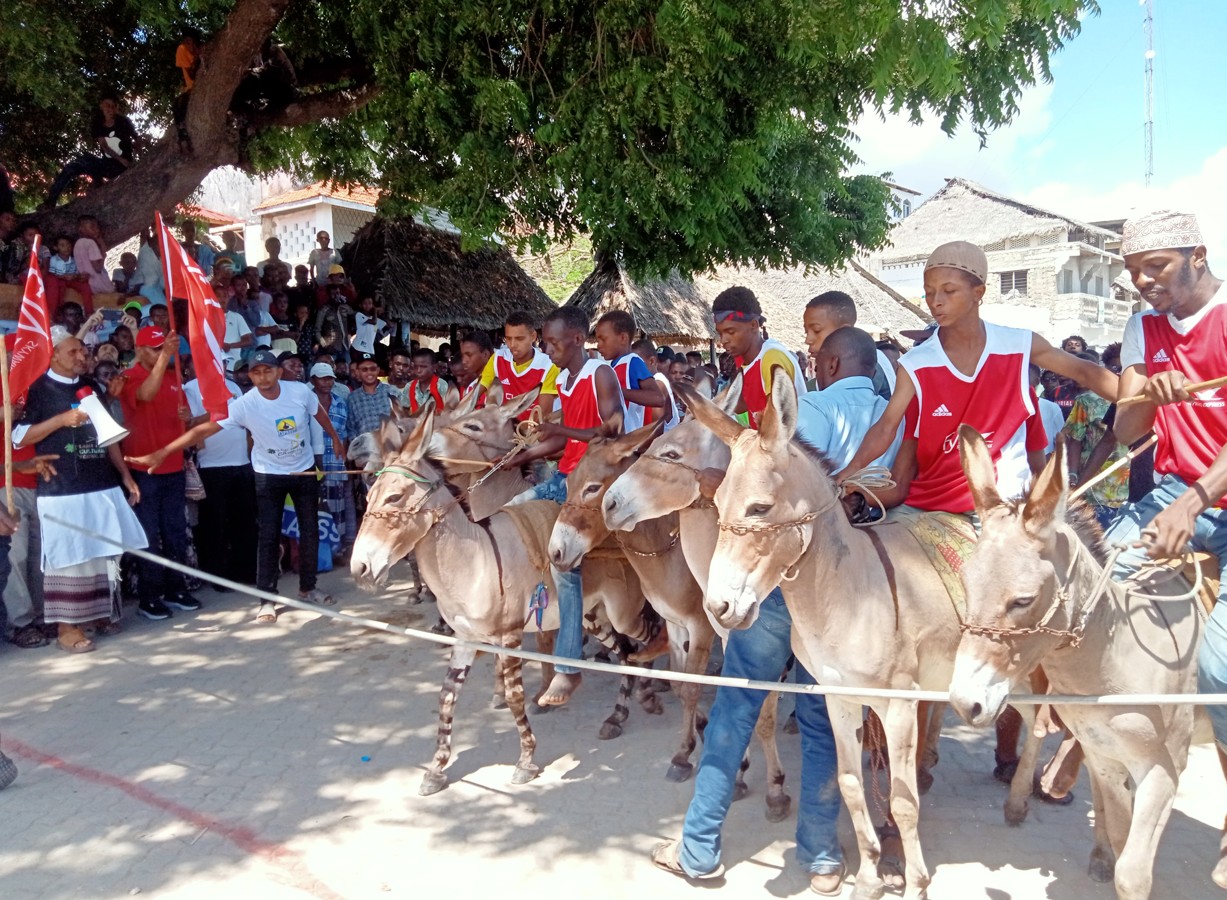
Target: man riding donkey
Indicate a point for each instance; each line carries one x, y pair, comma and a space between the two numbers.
1167, 352
833, 420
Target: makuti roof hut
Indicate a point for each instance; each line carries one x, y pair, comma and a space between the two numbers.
674, 310
421, 276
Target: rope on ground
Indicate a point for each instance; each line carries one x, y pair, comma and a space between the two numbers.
641, 671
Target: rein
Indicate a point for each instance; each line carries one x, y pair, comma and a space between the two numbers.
432, 485
700, 502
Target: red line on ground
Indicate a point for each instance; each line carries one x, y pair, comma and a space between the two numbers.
243, 838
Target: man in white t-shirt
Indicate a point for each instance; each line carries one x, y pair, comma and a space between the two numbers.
238, 336
277, 415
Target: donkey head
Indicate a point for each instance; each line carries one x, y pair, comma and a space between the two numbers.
769, 489
400, 508
472, 438
664, 477
1011, 579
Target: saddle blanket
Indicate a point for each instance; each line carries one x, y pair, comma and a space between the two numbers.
947, 540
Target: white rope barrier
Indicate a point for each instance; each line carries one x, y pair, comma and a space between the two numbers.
663, 674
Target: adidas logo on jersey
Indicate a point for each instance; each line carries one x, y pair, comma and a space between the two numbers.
942, 411
1160, 357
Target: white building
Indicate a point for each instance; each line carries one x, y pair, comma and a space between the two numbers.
296, 216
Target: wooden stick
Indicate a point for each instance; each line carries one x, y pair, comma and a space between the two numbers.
8, 428
1127, 458
1191, 388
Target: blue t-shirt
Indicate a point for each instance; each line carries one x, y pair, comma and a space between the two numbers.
632, 373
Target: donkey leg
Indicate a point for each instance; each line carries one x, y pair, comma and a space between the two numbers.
901, 739
458, 670
1152, 804
929, 721
1102, 867
1219, 874
513, 690
1017, 803
847, 725
545, 644
778, 802
697, 651
499, 700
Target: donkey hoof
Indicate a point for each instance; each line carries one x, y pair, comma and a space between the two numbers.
609, 731
741, 790
924, 781
525, 774
432, 783
651, 704
870, 890
778, 808
1016, 813
679, 772
498, 701
1102, 868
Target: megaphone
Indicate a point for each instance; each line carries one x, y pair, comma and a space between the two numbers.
109, 431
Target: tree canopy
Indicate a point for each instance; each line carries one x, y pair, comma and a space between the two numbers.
677, 133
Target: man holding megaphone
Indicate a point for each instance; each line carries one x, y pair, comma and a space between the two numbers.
79, 571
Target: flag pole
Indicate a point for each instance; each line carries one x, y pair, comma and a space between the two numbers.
170, 299
8, 428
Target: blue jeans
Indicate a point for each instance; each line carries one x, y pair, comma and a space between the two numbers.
570, 642
761, 652
1210, 536
163, 514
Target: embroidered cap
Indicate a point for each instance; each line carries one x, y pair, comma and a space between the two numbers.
262, 358
1163, 229
150, 336
959, 255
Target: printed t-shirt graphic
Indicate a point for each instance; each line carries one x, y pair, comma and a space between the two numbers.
280, 428
756, 377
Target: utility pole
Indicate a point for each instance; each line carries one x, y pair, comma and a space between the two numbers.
1149, 130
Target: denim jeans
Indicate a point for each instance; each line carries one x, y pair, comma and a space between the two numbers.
1209, 535
761, 652
96, 168
304, 492
163, 514
570, 642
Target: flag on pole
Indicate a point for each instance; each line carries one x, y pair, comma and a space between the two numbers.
31, 353
206, 321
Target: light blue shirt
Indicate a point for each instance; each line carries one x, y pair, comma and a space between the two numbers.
837, 419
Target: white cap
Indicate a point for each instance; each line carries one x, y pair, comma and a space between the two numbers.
323, 370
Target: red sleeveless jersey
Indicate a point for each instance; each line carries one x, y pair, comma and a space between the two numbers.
1190, 434
755, 388
472, 386
435, 392
580, 409
996, 401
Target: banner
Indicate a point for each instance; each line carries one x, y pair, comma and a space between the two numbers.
30, 356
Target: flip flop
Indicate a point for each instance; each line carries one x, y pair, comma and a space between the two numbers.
665, 856
267, 614
318, 597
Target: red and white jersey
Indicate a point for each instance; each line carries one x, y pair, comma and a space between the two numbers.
755, 387
996, 401
1190, 434
580, 409
633, 413
516, 383
470, 388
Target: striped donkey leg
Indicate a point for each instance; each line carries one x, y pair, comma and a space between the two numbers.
513, 690
778, 802
458, 670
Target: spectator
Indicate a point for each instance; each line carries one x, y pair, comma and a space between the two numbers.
1074, 344
368, 327
400, 373
276, 414
187, 60
122, 338
308, 339
149, 268
1051, 415
115, 137
155, 412
335, 488
126, 279
335, 318
226, 531
62, 274
13, 262
337, 279
476, 350
238, 333
229, 255
679, 370
1091, 447
272, 247
322, 258
89, 253
293, 367
202, 254
341, 386
27, 232
372, 399
426, 384
79, 570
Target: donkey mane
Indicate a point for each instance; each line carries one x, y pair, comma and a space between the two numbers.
1080, 517
815, 454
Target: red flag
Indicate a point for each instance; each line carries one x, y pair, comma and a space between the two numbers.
206, 322
31, 353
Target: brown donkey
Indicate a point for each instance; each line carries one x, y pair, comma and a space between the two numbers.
1038, 593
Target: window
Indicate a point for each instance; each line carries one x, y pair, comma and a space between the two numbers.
907, 208
1014, 281
1068, 277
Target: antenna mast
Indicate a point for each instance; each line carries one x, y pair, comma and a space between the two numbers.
1149, 129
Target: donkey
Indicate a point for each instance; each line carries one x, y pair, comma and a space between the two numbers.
868, 610
1037, 592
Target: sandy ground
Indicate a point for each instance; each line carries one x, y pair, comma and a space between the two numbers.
207, 754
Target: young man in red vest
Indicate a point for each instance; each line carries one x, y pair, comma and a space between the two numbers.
519, 366
426, 385
1180, 341
589, 395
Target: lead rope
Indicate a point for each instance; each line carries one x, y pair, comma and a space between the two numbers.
525, 436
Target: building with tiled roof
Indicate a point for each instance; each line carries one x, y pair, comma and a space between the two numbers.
294, 217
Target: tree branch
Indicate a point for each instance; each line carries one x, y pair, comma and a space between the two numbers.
325, 105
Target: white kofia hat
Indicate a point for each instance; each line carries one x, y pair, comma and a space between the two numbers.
1163, 229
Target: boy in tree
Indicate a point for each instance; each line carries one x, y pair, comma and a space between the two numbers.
589, 395
614, 332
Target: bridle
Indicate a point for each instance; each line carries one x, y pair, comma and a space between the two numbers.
700, 502
432, 485
591, 511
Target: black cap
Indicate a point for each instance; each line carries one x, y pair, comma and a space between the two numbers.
364, 357
263, 358
290, 354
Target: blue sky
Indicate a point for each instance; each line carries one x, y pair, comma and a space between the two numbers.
1077, 145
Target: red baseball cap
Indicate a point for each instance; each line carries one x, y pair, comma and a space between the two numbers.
150, 336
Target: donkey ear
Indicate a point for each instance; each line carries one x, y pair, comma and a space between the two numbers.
419, 439
780, 418
467, 404
494, 395
639, 439
516, 405
979, 469
1049, 497
721, 423
611, 427
728, 398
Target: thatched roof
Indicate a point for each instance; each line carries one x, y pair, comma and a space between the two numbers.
677, 311
421, 276
964, 210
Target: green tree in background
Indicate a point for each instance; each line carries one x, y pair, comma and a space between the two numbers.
676, 133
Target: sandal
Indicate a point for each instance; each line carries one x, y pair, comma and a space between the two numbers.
106, 628
28, 637
81, 645
316, 596
1004, 771
665, 856
1039, 793
890, 861
267, 614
